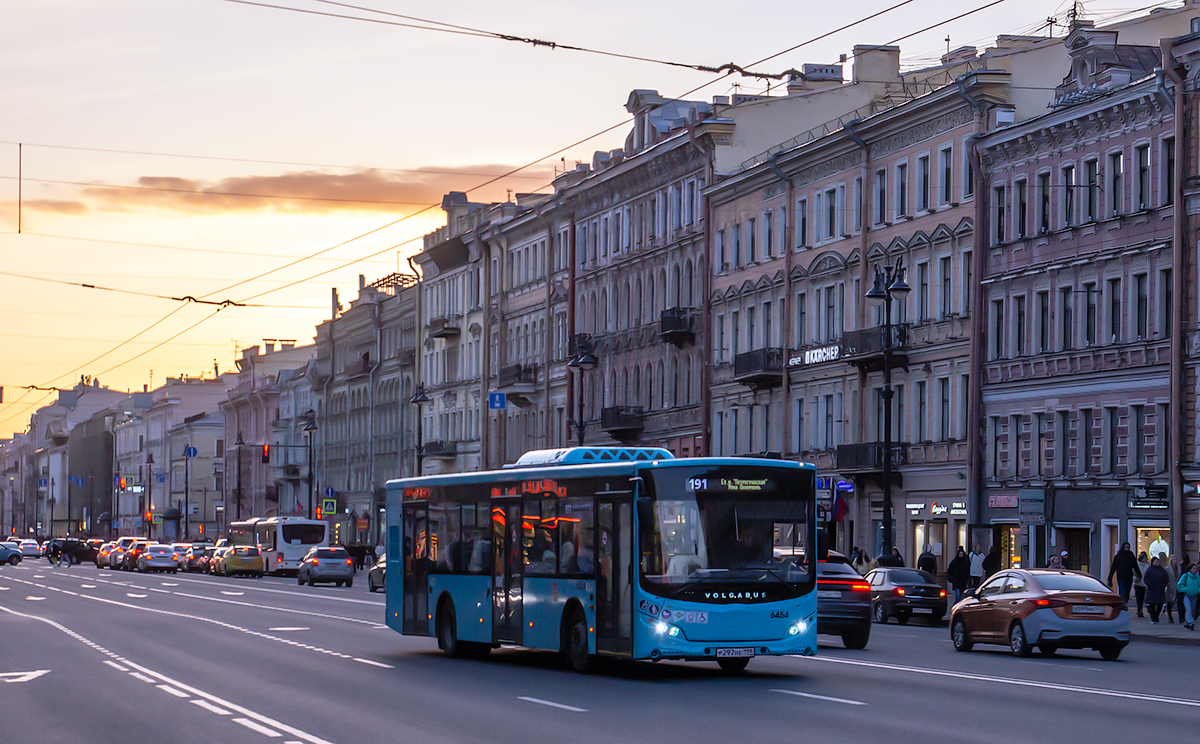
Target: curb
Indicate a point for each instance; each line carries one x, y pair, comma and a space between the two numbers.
1165, 640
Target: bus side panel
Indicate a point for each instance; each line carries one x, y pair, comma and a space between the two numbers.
394, 578
472, 604
545, 601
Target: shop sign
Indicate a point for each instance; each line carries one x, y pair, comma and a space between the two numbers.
816, 356
364, 523
958, 508
1002, 502
1150, 497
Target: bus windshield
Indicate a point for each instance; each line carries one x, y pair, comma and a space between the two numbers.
739, 526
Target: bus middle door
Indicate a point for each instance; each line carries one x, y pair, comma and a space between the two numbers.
614, 553
507, 571
416, 568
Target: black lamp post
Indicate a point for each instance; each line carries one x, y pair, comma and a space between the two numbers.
309, 428
240, 443
584, 361
889, 284
147, 503
419, 399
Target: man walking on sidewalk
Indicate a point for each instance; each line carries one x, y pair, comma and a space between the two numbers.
977, 556
1124, 565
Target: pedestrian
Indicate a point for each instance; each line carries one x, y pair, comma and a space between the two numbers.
1055, 562
927, 561
991, 562
1154, 585
1139, 586
976, 557
958, 573
1189, 589
1125, 566
863, 563
1181, 569
1066, 560
897, 559
1172, 569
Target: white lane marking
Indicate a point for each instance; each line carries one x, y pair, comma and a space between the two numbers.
302, 735
1016, 682
276, 609
304, 594
539, 701
172, 691
39, 576
3, 588
32, 598
87, 586
136, 596
23, 676
257, 727
284, 630
116, 666
232, 594
170, 583
160, 591
68, 591
142, 677
374, 663
210, 707
820, 697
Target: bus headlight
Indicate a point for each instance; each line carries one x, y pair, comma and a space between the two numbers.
798, 628
664, 629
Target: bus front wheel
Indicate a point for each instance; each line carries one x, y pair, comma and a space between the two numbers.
448, 631
575, 641
733, 665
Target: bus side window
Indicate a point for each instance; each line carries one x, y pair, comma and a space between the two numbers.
577, 550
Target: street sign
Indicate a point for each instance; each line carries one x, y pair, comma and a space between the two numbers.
156, 519
497, 401
42, 482
161, 477
190, 452
329, 492
329, 506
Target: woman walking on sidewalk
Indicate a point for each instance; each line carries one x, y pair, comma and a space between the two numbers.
1139, 586
1172, 569
1189, 587
1155, 581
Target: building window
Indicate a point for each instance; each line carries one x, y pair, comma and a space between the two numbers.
922, 411
998, 216
923, 291
1088, 442
923, 184
722, 259
752, 239
1061, 424
831, 213
1043, 311
798, 429
902, 190
737, 245
1113, 419
964, 405
1043, 202
1089, 315
858, 203
997, 329
1168, 183
1068, 201
1091, 172
967, 289
1114, 309
1164, 426
768, 234
1142, 309
1142, 155
1020, 325
993, 436
1138, 450
1021, 209
947, 280
735, 328
946, 168
802, 223
880, 196
1116, 182
1165, 294
968, 185
1015, 424
944, 409
1068, 320
801, 319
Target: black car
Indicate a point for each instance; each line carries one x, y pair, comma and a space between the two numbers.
843, 602
904, 592
77, 551
377, 575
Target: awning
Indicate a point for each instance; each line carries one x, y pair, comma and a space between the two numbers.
169, 513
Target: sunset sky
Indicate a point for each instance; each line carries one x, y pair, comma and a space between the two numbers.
196, 148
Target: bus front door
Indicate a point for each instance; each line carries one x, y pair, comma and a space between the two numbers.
614, 540
507, 571
416, 568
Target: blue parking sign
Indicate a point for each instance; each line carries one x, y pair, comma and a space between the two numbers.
497, 401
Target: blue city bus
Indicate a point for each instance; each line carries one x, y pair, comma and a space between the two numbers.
608, 551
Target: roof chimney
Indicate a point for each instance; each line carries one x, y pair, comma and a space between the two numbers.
269, 344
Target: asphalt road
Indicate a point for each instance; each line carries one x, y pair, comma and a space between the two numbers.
185, 658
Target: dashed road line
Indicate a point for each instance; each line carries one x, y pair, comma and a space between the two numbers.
87, 586
116, 666
820, 697
142, 677
32, 598
210, 707
172, 691
284, 629
551, 704
136, 596
258, 727
374, 663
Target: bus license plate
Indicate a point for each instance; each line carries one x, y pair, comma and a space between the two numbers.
1087, 610
734, 652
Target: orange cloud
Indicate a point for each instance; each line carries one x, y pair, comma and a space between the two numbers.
52, 206
312, 191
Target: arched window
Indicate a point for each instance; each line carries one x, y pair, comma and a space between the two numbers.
662, 291
677, 287
689, 280
604, 309
624, 399
610, 395
650, 309
649, 388
637, 388
687, 380
636, 304
662, 383
675, 388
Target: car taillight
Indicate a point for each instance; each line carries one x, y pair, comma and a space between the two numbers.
349, 562
1050, 603
943, 593
860, 586
899, 591
279, 559
176, 556
314, 561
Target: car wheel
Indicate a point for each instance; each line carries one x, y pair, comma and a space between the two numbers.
1048, 649
370, 585
575, 642
958, 634
1110, 653
881, 613
902, 618
299, 579
14, 560
733, 666
349, 583
448, 631
857, 639
1017, 641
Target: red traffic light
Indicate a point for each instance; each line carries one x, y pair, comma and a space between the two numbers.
147, 516
319, 514
123, 484
201, 528
266, 453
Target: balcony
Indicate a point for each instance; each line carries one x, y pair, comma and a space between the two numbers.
864, 348
407, 356
440, 449
518, 382
867, 457
444, 326
623, 423
675, 326
758, 369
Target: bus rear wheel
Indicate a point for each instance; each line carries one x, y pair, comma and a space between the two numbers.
733, 665
575, 642
448, 631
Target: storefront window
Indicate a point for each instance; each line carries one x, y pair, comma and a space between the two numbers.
1152, 541
1010, 546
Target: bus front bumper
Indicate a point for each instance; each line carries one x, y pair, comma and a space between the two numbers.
668, 641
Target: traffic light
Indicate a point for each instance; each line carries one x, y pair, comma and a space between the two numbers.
319, 513
147, 516
266, 453
122, 484
201, 527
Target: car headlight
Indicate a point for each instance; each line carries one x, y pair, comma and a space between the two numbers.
666, 629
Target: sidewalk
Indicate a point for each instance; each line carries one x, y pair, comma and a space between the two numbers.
1146, 632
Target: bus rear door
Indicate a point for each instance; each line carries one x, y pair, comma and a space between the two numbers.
507, 571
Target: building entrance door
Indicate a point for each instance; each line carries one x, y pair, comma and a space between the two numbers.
1077, 542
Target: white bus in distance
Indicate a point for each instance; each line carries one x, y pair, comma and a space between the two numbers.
282, 540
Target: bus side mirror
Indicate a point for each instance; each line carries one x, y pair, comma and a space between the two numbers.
822, 545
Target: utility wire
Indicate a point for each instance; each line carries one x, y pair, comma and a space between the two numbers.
167, 247
185, 298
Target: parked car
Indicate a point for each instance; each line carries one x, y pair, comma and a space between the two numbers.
130, 558
31, 548
196, 558
377, 574
326, 564
241, 559
843, 602
116, 556
1046, 608
9, 555
157, 557
77, 551
904, 592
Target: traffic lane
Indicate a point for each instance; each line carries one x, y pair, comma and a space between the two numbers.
1137, 669
89, 693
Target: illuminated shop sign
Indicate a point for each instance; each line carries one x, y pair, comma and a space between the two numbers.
816, 356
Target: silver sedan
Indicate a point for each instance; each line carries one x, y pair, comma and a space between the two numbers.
326, 564
158, 558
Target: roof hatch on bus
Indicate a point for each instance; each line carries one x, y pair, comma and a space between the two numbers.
589, 455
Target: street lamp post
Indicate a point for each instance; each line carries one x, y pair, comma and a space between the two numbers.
419, 398
889, 284
240, 443
187, 491
148, 501
309, 428
584, 361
